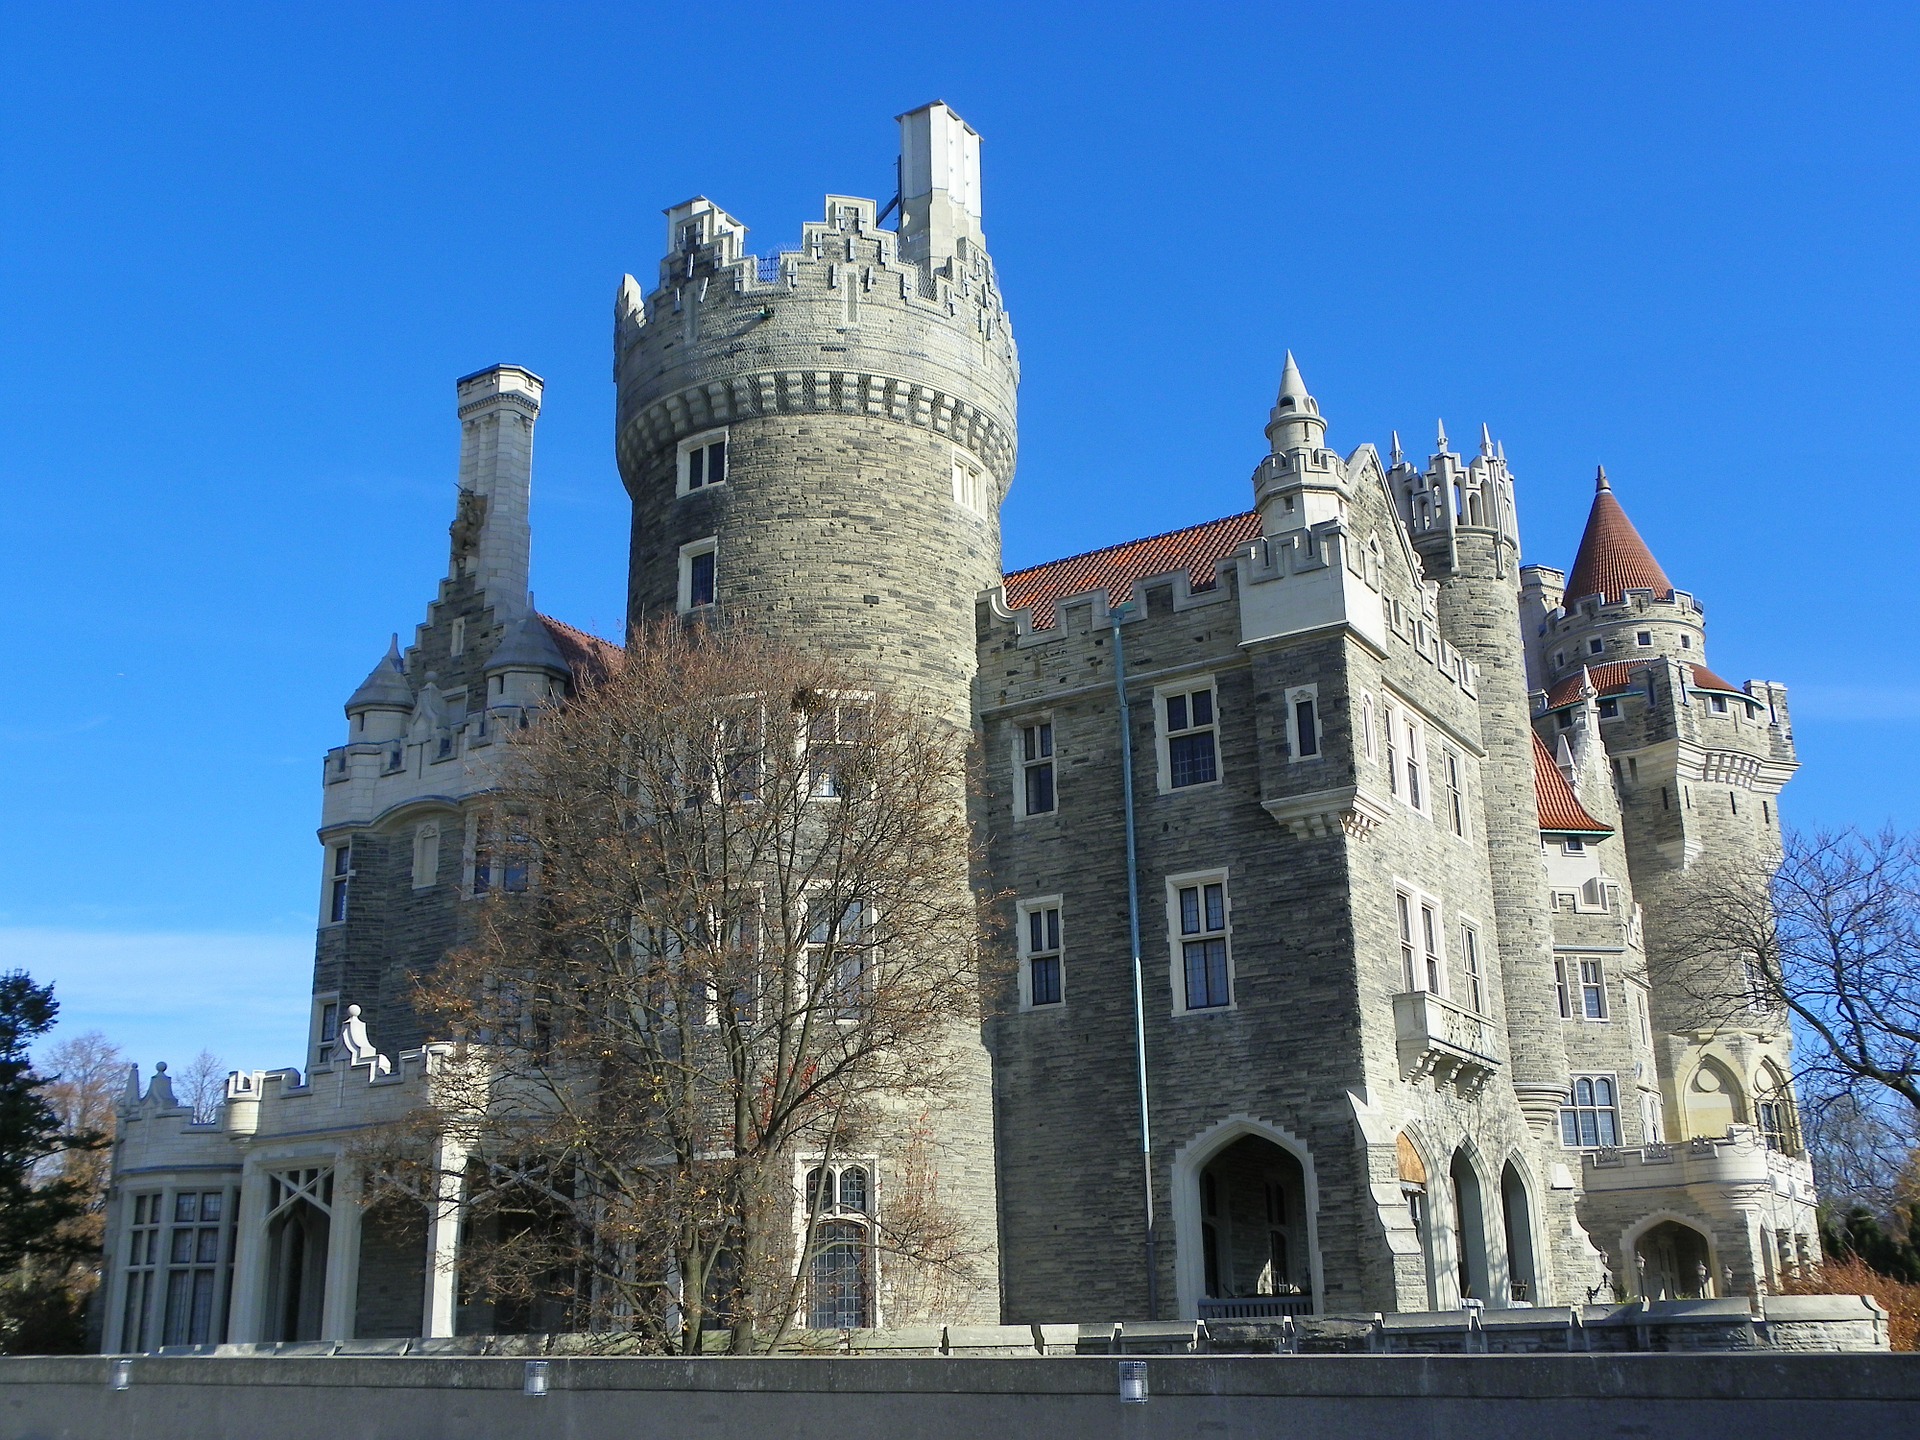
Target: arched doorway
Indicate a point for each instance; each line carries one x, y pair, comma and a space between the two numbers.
1516, 1214
1416, 1187
1244, 1225
298, 1224
1470, 1229
1673, 1261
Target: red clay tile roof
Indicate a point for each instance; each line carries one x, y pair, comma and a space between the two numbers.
1617, 676
1560, 809
1116, 568
1613, 559
590, 658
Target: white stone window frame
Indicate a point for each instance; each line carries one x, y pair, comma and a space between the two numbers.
683, 463
457, 636
1021, 764
1176, 955
332, 875
492, 841
1187, 685
1571, 1103
1297, 695
1421, 903
320, 1048
864, 947
1024, 912
1453, 779
971, 487
1580, 985
1473, 964
706, 545
803, 1165
1369, 741
803, 734
1416, 772
426, 853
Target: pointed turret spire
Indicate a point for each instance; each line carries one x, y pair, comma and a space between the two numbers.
1440, 442
1613, 559
1295, 423
385, 688
1486, 441
1398, 453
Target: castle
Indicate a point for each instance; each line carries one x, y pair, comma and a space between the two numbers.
1340, 842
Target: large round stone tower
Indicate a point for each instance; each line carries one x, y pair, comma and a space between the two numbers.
820, 440
817, 442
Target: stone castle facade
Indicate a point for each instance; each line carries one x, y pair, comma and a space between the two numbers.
1340, 841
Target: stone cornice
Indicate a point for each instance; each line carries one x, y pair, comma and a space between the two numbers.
688, 411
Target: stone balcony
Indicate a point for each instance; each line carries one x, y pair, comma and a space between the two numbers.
1738, 1158
1440, 1039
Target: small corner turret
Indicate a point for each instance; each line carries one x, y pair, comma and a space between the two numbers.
490, 537
940, 212
1300, 483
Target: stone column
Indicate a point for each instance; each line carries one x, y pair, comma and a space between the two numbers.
246, 1311
342, 1294
443, 1240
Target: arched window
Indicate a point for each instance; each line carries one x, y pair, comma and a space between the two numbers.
838, 1201
1773, 1111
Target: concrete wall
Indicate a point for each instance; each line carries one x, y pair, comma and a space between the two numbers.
1572, 1397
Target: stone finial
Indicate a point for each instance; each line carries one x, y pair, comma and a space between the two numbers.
1600, 480
131, 1095
360, 1051
1486, 441
1396, 454
160, 1092
1440, 440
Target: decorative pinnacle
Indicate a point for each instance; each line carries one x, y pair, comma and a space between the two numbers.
1486, 441
1291, 382
1398, 453
1600, 481
1440, 444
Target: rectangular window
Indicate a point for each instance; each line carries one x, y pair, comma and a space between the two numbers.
1561, 990
194, 1258
703, 462
340, 873
1188, 732
1593, 991
1409, 959
326, 1032
1574, 845
1036, 768
697, 579
1643, 639
1304, 718
1433, 967
1719, 704
1416, 766
1390, 729
1040, 954
1609, 709
1476, 996
838, 972
1590, 1118
967, 489
1200, 918
1456, 800
836, 728
1594, 647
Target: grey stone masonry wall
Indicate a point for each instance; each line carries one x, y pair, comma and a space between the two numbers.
866, 403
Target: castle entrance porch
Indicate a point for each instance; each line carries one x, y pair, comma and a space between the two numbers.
1674, 1261
1250, 1224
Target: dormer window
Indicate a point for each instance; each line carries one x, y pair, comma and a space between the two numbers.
703, 462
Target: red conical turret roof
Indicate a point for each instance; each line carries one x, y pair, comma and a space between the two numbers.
1613, 559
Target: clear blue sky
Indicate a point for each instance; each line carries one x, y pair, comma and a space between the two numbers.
245, 251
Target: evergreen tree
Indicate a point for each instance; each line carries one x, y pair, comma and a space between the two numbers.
34, 1209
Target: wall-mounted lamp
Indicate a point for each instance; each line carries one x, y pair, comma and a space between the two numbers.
536, 1381
120, 1375
1133, 1382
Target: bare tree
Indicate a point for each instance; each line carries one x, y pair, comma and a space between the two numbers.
728, 940
202, 1085
1830, 939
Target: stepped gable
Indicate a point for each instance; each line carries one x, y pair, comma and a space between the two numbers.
1613, 559
588, 657
1560, 809
1616, 677
1117, 568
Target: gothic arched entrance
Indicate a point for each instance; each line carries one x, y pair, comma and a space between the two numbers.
1244, 1225
1673, 1261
